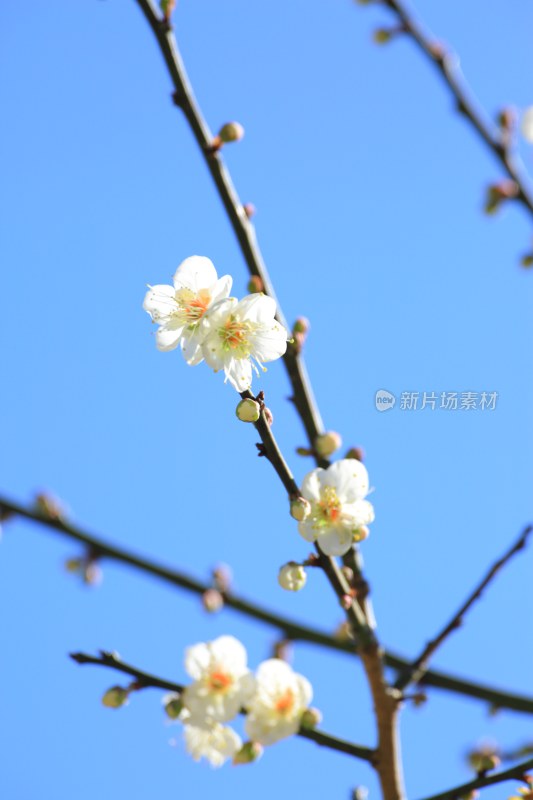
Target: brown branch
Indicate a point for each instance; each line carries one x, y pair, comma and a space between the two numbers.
447, 64
518, 773
145, 680
419, 666
290, 629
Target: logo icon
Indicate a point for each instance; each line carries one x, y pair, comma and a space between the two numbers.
384, 400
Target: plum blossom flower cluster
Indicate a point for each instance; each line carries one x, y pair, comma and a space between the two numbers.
274, 700
197, 315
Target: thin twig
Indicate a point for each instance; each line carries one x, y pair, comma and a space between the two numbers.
290, 629
447, 64
419, 665
518, 773
145, 679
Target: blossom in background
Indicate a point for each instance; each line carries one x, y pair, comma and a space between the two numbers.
180, 309
241, 333
216, 743
281, 697
222, 681
526, 125
339, 512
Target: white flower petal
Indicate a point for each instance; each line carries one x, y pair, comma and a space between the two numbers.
221, 289
311, 485
159, 301
216, 744
196, 272
349, 477
239, 373
167, 338
197, 660
335, 541
257, 308
269, 344
229, 651
191, 346
361, 513
307, 530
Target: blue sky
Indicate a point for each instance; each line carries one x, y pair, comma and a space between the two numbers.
369, 192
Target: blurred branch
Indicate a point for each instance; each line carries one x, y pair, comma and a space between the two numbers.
518, 773
447, 64
419, 666
290, 628
145, 680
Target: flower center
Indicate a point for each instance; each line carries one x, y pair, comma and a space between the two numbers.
234, 336
285, 703
329, 506
219, 681
192, 306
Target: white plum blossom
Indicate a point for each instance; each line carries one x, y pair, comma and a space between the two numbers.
281, 697
222, 681
180, 309
526, 125
241, 333
339, 511
216, 743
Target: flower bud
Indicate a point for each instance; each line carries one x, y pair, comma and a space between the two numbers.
327, 443
212, 601
304, 451
484, 758
249, 752
231, 132
249, 210
115, 697
356, 453
74, 565
167, 7
255, 285
222, 577
311, 718
269, 416
526, 125
361, 534
50, 506
92, 573
300, 508
382, 35
497, 193
346, 601
292, 577
248, 410
527, 260
283, 650
173, 705
302, 325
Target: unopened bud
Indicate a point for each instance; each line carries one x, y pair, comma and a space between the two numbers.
231, 132
484, 758
304, 451
526, 125
327, 443
167, 7
302, 325
248, 410
300, 508
249, 752
383, 35
343, 632
269, 416
361, 534
173, 705
292, 577
222, 577
283, 650
50, 506
527, 260
255, 285
419, 699
212, 601
356, 452
74, 565
507, 118
498, 193
346, 601
249, 210
310, 718
348, 573
115, 697
92, 573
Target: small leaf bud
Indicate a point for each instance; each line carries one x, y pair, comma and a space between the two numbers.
115, 697
173, 705
249, 752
